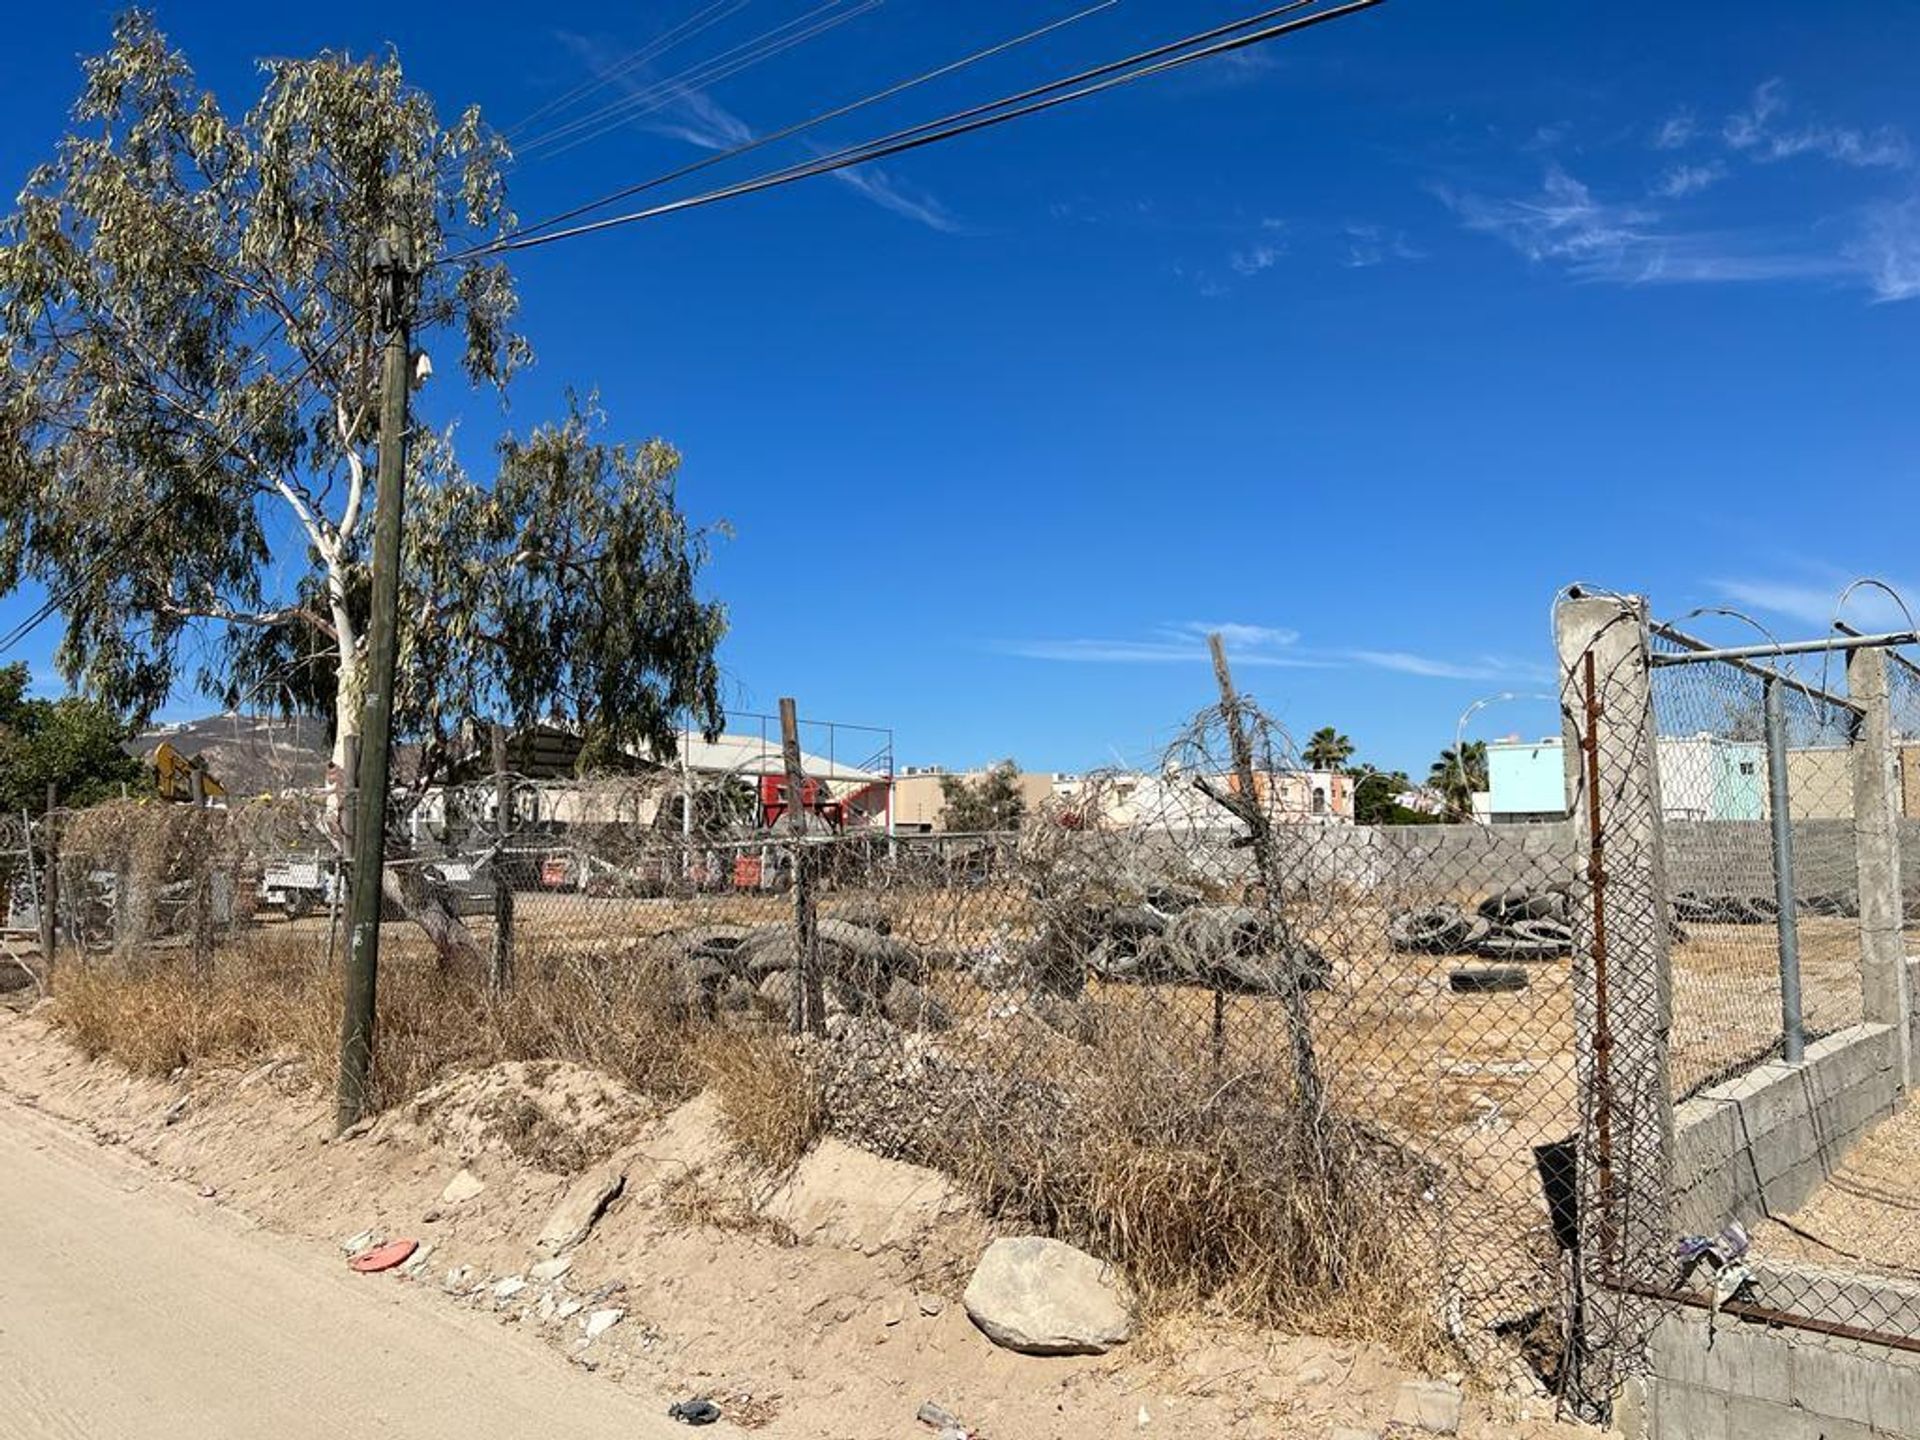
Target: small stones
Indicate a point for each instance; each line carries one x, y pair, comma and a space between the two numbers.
548, 1271
601, 1321
463, 1187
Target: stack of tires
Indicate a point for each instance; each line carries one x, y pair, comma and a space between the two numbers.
1517, 923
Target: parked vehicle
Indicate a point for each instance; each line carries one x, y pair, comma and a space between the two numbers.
300, 884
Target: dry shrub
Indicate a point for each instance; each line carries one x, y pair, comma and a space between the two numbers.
273, 995
1204, 1182
770, 1100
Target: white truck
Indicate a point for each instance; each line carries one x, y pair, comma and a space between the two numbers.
300, 884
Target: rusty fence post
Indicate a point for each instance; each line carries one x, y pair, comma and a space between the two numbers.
49, 896
1622, 991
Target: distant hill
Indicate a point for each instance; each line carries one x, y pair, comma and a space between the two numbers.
249, 754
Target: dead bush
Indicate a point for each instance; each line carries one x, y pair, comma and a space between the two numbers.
272, 995
770, 1100
1202, 1181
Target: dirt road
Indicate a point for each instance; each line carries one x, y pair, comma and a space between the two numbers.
130, 1308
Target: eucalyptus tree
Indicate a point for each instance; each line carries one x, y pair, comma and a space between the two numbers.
188, 422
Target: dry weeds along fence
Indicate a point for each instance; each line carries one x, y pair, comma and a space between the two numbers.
1218, 1063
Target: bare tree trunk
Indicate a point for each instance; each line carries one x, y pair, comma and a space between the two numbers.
403, 886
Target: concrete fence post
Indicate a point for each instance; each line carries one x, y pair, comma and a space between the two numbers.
1876, 838
1622, 986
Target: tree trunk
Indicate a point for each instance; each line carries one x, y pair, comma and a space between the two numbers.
403, 886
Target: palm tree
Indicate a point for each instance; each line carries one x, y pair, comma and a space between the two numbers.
1458, 774
1327, 749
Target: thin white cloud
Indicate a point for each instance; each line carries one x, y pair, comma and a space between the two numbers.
1484, 668
694, 116
1678, 181
1630, 242
1888, 250
1236, 633
1369, 245
1187, 641
1676, 131
1815, 604
1255, 258
1263, 645
1754, 133
1564, 222
889, 192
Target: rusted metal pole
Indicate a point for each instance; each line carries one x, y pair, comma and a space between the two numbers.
49, 885
1603, 1022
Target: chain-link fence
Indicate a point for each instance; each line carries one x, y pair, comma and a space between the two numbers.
1464, 1081
1756, 775
1298, 1067
1742, 1022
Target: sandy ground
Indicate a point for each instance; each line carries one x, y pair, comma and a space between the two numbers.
131, 1307
200, 1259
1863, 1217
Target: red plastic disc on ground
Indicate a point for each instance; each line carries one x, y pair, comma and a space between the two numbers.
383, 1257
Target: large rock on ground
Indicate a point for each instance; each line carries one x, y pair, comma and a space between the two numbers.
1043, 1297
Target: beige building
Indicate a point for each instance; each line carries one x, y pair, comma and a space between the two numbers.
919, 802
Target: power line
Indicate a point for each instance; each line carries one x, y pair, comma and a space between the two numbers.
788, 132
982, 117
724, 66
711, 71
672, 36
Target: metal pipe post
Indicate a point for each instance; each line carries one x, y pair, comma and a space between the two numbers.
1793, 1028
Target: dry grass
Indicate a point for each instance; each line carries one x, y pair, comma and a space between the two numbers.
698, 1201
1204, 1182
769, 1100
272, 995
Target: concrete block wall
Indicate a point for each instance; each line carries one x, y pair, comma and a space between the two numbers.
1758, 1145
1751, 1382
1764, 1141
1913, 1000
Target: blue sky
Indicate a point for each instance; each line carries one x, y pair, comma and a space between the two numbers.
1357, 347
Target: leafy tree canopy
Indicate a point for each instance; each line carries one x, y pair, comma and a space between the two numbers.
992, 801
71, 743
187, 331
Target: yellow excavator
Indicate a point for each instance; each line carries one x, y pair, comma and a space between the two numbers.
181, 779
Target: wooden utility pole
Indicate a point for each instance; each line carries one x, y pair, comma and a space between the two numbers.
500, 977
394, 282
809, 1008
1306, 1069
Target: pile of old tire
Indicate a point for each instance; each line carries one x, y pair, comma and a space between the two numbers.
863, 969
1515, 923
1693, 907
1234, 948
